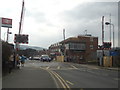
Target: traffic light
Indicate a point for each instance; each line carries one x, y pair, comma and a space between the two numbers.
107, 45
21, 38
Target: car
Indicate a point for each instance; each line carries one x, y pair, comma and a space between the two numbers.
36, 58
45, 58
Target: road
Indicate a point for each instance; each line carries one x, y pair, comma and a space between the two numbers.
37, 74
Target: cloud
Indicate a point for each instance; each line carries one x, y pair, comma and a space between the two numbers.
44, 20
88, 16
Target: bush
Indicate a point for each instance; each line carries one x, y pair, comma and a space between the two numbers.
7, 50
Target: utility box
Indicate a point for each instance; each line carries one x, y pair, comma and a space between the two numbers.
60, 58
107, 61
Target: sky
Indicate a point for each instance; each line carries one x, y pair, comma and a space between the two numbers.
44, 20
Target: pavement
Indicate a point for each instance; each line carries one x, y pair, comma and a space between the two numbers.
28, 77
100, 67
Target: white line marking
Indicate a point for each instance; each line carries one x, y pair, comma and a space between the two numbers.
58, 67
47, 67
74, 67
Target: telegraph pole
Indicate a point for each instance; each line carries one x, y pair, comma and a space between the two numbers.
64, 44
20, 24
20, 27
21, 18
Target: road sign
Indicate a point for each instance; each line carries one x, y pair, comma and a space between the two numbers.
6, 22
21, 38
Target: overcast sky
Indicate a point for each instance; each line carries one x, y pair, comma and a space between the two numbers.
44, 20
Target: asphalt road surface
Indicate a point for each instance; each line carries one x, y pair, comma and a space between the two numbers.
37, 74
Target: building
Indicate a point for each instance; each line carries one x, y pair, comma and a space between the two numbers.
78, 49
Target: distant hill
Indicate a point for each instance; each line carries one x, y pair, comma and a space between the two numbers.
23, 47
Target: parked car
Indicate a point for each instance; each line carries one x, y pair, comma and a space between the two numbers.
45, 58
36, 58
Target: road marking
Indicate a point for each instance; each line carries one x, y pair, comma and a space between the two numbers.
74, 67
54, 79
62, 82
47, 67
95, 68
69, 82
67, 86
81, 88
58, 67
116, 79
59, 80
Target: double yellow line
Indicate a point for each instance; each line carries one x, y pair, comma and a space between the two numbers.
59, 78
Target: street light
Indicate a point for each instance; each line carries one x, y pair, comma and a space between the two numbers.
107, 23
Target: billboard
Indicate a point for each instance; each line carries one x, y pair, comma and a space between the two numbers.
6, 22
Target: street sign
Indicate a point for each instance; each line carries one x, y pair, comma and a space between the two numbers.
21, 38
6, 22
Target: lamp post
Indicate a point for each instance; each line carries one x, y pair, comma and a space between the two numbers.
107, 23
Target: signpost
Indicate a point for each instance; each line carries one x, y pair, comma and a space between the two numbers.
6, 22
21, 38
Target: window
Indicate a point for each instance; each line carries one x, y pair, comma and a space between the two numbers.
91, 39
67, 46
91, 46
77, 46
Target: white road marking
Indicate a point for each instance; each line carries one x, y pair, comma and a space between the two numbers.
74, 67
58, 67
47, 67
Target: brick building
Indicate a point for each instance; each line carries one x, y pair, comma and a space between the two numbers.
77, 49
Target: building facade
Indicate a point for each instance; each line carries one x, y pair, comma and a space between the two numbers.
78, 49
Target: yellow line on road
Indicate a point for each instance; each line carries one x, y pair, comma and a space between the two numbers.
59, 80
74, 67
62, 80
54, 79
69, 82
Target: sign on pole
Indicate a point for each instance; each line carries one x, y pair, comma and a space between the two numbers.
21, 38
6, 22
